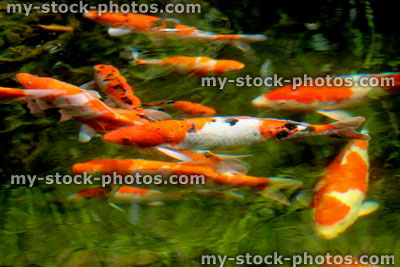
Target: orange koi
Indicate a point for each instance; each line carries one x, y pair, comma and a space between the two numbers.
55, 28
73, 102
109, 79
339, 194
187, 107
326, 98
197, 65
267, 187
124, 23
227, 132
111, 82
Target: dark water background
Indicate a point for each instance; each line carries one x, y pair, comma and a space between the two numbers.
38, 227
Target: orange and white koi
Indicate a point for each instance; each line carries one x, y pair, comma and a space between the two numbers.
73, 102
326, 98
339, 194
201, 66
124, 23
267, 187
186, 107
227, 132
111, 82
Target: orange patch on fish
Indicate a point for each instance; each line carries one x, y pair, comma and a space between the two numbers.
330, 210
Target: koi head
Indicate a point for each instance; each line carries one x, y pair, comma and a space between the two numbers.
29, 81
103, 74
104, 70
136, 135
283, 130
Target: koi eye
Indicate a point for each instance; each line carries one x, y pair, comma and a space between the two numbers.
125, 140
207, 155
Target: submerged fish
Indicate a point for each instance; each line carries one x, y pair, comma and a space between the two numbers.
339, 194
55, 28
267, 187
197, 65
124, 23
227, 132
111, 82
311, 98
73, 102
125, 195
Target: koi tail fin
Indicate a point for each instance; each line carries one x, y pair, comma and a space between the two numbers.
137, 61
11, 93
272, 191
345, 128
244, 40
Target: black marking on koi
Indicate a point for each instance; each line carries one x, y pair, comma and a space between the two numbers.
290, 126
282, 134
232, 122
192, 129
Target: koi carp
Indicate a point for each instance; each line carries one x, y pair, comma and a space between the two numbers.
339, 194
111, 82
125, 195
201, 66
267, 187
227, 132
326, 99
125, 23
73, 102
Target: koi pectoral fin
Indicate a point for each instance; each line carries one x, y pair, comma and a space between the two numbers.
335, 114
242, 45
368, 207
285, 183
156, 115
65, 115
353, 123
89, 85
86, 133
273, 193
33, 107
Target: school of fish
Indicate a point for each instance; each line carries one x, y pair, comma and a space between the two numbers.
122, 118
